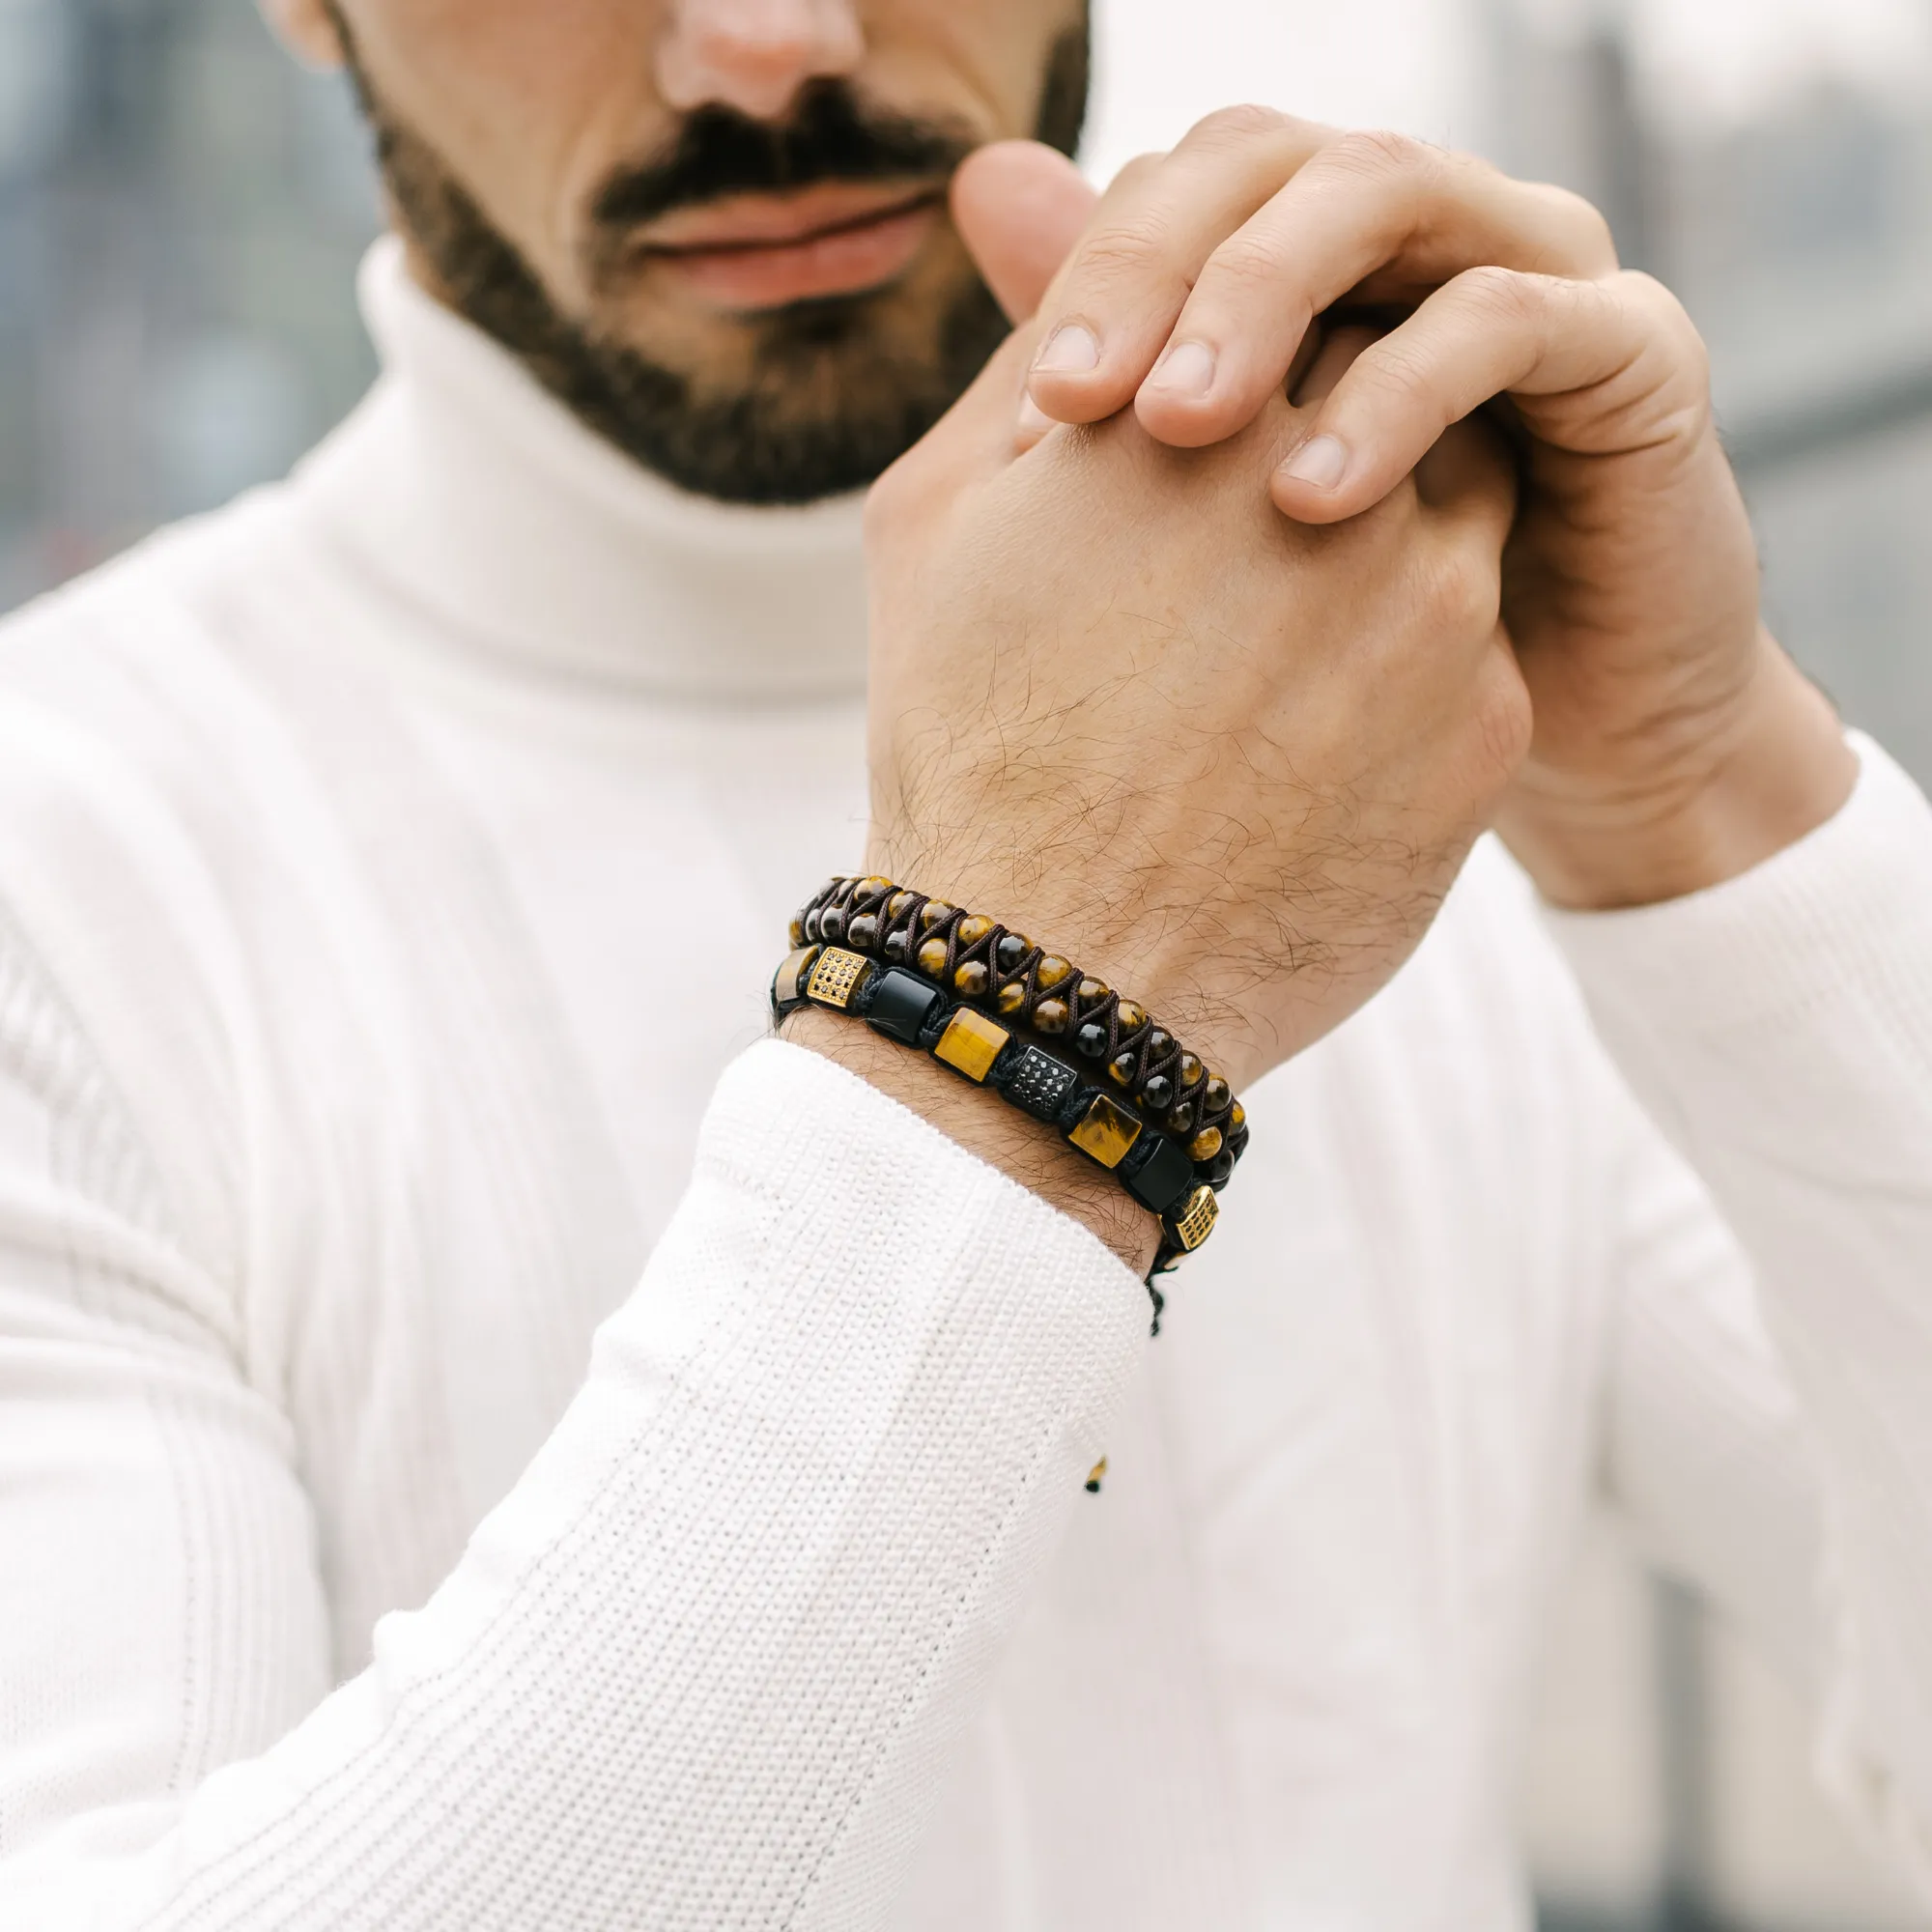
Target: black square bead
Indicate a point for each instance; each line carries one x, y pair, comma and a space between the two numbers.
901, 1005
1039, 1084
1164, 1178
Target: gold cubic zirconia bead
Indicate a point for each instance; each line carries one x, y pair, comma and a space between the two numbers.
837, 977
971, 1043
1107, 1133
1197, 1221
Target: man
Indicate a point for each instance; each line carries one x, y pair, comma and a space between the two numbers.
393, 865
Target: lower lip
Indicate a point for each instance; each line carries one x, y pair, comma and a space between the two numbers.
846, 262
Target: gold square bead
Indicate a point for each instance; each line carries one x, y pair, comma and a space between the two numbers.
971, 1043
785, 988
1107, 1132
837, 977
1195, 1221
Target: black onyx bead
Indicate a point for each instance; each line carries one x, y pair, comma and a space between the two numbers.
1158, 1092
1159, 1043
1122, 1068
1051, 1016
1217, 1097
897, 945
1013, 946
1092, 1040
969, 978
832, 924
812, 928
1220, 1170
861, 934
1181, 1120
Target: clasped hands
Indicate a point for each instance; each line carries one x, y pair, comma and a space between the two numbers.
1213, 625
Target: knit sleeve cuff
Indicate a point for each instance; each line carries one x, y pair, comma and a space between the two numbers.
1843, 908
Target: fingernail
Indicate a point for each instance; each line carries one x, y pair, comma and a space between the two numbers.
1320, 462
1072, 348
1035, 422
1187, 369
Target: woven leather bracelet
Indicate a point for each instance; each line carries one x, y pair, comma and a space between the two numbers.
1003, 973
1151, 1166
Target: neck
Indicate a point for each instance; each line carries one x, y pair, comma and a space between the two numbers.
518, 530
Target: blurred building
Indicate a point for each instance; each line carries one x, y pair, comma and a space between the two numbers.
181, 211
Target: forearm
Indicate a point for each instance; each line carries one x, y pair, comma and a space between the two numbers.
706, 1656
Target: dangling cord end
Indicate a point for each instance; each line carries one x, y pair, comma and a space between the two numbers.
1093, 1476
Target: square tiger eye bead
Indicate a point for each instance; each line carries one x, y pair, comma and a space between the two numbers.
790, 977
837, 977
971, 1043
1107, 1132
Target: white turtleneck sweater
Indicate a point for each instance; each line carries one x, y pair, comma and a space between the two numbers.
482, 1443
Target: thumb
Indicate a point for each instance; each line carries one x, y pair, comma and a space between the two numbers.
1020, 207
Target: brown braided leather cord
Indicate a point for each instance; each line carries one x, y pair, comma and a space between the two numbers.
1169, 1087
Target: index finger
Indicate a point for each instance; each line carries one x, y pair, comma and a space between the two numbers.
1377, 216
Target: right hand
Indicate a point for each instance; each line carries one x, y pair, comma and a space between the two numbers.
1229, 762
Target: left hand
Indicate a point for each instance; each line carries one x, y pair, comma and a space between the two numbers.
1675, 745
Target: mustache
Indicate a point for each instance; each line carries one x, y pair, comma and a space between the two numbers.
829, 136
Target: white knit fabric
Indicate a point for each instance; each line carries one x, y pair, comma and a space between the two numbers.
356, 850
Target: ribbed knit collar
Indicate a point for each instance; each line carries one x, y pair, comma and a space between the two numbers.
489, 506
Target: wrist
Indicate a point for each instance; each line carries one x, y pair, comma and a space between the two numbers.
986, 1128
1775, 771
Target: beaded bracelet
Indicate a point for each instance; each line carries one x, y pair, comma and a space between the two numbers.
1003, 972
1153, 1168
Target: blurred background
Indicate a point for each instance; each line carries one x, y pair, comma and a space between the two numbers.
181, 215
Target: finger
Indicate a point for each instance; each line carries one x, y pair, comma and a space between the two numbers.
1020, 207
1374, 216
1114, 307
1488, 331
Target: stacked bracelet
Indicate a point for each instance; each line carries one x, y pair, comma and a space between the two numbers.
1003, 973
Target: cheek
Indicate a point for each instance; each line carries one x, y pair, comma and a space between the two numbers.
985, 60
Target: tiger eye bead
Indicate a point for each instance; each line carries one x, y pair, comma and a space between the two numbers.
896, 947
1220, 1170
1158, 1092
898, 904
1217, 1097
874, 888
1132, 1017
1191, 1072
1204, 1144
969, 978
1122, 1068
1094, 991
1012, 950
933, 912
797, 934
975, 928
1239, 1118
1052, 1016
932, 959
1012, 1000
1092, 1040
832, 924
1053, 971
1159, 1043
1181, 1120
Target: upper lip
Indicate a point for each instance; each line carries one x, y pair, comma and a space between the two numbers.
783, 220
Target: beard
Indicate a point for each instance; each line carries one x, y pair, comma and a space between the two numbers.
827, 393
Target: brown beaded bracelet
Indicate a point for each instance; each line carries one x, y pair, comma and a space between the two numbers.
893, 1001
989, 966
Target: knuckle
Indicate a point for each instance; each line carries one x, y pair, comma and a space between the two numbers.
1382, 151
1122, 248
1236, 127
1502, 296
1248, 259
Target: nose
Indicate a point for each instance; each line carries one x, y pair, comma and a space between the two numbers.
755, 55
